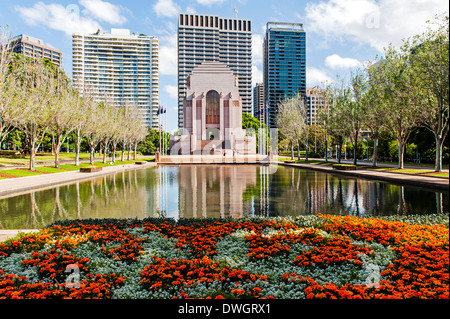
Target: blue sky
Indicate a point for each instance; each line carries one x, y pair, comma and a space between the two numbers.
341, 34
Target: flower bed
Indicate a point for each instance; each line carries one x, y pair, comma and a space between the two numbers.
306, 257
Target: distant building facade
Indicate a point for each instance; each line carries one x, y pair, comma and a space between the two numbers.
258, 101
212, 112
314, 103
120, 67
284, 65
35, 48
206, 38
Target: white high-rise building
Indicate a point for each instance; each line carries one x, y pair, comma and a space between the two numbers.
120, 67
207, 38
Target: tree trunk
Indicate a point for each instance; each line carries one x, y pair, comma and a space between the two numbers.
401, 153
122, 157
53, 144
105, 150
113, 155
32, 156
339, 150
135, 151
292, 150
375, 150
58, 143
77, 149
128, 148
298, 150
439, 144
355, 149
306, 146
57, 163
91, 155
326, 148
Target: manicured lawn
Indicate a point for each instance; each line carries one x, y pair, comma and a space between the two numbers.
20, 173
40, 158
426, 172
307, 257
117, 163
51, 169
70, 167
411, 171
26, 172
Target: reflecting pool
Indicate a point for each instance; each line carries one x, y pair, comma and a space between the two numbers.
216, 191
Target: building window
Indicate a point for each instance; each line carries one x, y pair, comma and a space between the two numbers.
212, 108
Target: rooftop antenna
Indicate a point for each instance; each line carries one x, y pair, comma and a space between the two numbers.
235, 12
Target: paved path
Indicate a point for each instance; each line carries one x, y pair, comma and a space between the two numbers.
436, 183
214, 159
6, 234
15, 186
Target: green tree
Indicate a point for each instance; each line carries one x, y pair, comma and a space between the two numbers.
430, 81
335, 115
400, 107
292, 121
355, 107
252, 124
35, 87
375, 116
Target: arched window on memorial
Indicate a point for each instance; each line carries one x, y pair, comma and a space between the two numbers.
212, 108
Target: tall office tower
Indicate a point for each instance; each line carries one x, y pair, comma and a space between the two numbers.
284, 65
120, 67
205, 38
35, 48
258, 101
314, 102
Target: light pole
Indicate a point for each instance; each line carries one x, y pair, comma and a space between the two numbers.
367, 148
159, 126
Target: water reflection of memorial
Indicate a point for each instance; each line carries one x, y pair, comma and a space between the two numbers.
216, 191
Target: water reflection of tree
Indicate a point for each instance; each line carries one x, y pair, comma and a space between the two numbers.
122, 195
302, 192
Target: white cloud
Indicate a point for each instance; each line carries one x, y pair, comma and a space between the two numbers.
371, 22
210, 2
257, 58
166, 8
257, 48
172, 90
58, 17
315, 76
257, 75
103, 11
168, 55
190, 10
336, 62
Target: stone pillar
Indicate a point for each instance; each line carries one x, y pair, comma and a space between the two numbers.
194, 113
222, 118
230, 116
204, 116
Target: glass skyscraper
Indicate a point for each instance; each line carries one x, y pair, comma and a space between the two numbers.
284, 65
